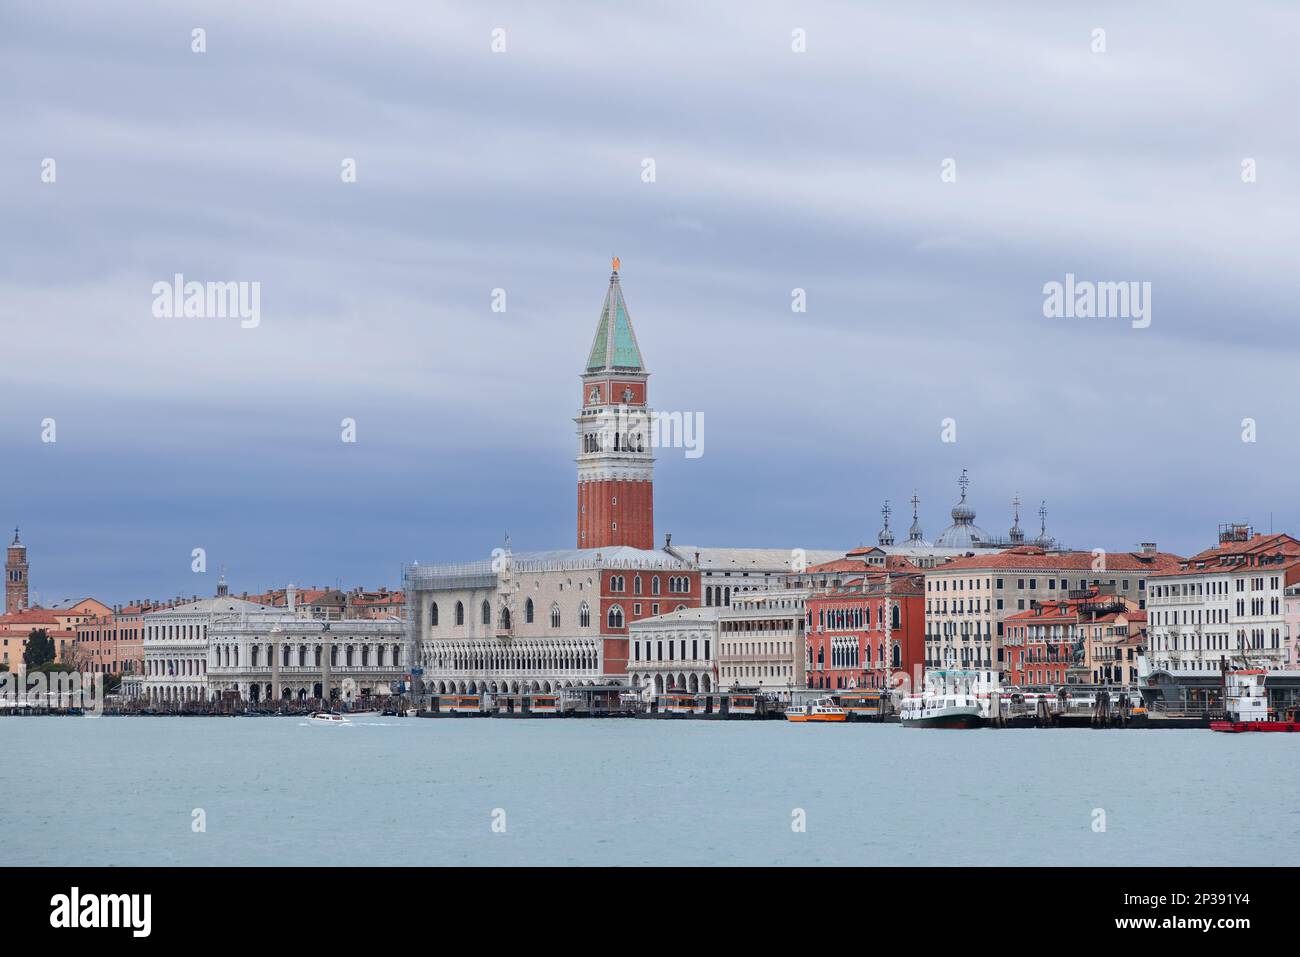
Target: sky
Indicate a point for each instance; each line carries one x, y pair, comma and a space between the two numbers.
919, 170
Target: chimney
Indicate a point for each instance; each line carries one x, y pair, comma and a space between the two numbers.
291, 597
1148, 548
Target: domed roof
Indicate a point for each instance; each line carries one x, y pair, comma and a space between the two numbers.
963, 532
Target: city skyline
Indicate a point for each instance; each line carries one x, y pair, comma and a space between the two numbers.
924, 297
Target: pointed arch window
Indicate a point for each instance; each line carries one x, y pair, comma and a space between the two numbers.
555, 615
433, 614
615, 616
528, 611
460, 613
487, 612
584, 615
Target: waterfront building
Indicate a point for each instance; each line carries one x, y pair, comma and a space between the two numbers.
59, 623
539, 621
112, 642
761, 642
1291, 628
865, 630
293, 654
676, 651
1226, 602
176, 647
1093, 639
16, 576
16, 628
968, 600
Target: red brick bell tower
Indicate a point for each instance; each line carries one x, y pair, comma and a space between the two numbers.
615, 462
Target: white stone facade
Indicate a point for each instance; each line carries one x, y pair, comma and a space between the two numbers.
675, 652
176, 648
280, 656
536, 621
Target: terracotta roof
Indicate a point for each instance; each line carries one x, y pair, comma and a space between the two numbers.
1228, 556
1034, 558
849, 564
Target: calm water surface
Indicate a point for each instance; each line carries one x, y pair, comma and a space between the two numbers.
83, 791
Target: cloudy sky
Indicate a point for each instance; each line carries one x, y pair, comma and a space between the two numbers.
523, 170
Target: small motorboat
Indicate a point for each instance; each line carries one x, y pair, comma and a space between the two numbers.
328, 717
823, 709
412, 712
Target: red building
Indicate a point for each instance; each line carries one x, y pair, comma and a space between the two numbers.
615, 460
867, 630
1082, 639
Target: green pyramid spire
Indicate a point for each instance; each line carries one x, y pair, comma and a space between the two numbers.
615, 344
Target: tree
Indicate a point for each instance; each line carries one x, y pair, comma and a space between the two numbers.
39, 650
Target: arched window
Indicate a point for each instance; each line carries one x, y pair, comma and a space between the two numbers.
487, 612
654, 585
636, 585
584, 615
460, 613
504, 618
898, 657
528, 611
555, 615
433, 613
615, 617
894, 619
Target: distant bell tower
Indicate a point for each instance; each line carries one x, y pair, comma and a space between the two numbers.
615, 462
16, 576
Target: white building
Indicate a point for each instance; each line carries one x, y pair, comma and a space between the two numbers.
762, 644
1226, 602
539, 621
675, 652
176, 647
284, 655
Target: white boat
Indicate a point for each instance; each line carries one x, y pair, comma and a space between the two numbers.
950, 701
412, 712
328, 717
823, 709
955, 710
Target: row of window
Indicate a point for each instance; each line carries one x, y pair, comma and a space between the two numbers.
676, 649
962, 584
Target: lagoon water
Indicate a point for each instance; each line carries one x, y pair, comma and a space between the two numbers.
87, 791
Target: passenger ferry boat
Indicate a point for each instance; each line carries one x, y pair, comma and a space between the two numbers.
460, 704
328, 717
823, 709
677, 704
1246, 704
544, 704
742, 704
951, 701
863, 705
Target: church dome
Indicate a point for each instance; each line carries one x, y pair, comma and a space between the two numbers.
963, 532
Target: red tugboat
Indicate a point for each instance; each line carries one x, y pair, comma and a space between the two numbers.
1246, 703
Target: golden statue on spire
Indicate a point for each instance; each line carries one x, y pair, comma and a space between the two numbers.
615, 264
